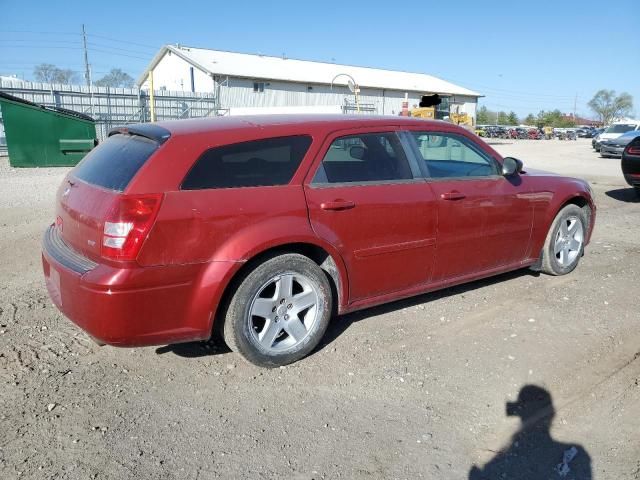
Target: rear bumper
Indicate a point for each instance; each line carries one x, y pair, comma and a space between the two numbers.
138, 306
633, 179
631, 170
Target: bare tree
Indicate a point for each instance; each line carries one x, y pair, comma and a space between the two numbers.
115, 78
609, 107
46, 72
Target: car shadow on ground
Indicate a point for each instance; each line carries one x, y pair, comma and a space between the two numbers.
339, 325
623, 195
214, 346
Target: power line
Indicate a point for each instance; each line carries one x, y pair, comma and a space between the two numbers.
40, 33
110, 52
66, 42
119, 54
90, 35
123, 41
46, 46
102, 45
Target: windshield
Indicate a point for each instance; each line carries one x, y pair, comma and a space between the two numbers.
620, 128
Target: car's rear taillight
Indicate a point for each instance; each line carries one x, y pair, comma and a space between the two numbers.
633, 150
128, 224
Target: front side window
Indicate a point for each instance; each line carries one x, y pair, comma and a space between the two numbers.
449, 155
370, 157
266, 162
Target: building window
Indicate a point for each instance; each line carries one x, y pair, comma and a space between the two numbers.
444, 109
258, 87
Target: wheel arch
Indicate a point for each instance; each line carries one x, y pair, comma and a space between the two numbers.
324, 256
579, 199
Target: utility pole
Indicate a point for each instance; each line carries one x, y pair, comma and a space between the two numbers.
87, 71
575, 103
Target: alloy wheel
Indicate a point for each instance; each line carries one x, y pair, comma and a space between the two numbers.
569, 239
283, 311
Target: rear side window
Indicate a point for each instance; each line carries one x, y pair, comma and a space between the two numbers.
114, 162
370, 157
267, 162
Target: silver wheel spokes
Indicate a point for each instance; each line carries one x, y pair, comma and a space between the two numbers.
283, 311
569, 239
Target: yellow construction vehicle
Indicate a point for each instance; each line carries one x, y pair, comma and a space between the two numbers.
423, 112
461, 119
430, 113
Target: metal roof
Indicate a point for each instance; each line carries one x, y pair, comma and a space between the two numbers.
287, 69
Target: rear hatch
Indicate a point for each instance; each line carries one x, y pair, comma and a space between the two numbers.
92, 191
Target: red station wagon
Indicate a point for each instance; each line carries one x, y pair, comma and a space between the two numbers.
264, 227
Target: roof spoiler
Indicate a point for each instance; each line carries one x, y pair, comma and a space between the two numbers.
147, 130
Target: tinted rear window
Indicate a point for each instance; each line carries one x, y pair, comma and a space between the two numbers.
114, 162
271, 161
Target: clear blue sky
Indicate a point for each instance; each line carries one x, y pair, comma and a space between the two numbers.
523, 55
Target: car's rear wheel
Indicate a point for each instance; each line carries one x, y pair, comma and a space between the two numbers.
564, 244
279, 312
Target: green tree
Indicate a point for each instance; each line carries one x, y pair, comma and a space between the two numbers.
46, 72
483, 117
512, 118
531, 120
115, 78
554, 118
609, 106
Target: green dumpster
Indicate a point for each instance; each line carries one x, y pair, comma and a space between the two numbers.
39, 136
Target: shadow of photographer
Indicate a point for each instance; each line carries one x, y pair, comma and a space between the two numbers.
533, 454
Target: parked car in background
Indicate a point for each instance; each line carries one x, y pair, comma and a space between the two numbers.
596, 136
614, 131
615, 147
585, 132
631, 164
262, 228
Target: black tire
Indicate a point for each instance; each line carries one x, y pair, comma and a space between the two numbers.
637, 190
550, 264
240, 331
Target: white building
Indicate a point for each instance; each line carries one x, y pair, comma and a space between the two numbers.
245, 82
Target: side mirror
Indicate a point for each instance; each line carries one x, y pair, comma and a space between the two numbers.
511, 166
357, 152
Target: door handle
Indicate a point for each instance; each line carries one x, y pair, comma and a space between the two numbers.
337, 205
453, 196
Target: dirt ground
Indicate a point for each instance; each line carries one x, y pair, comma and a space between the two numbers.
414, 389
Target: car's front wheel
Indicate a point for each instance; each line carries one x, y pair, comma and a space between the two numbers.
564, 244
279, 312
